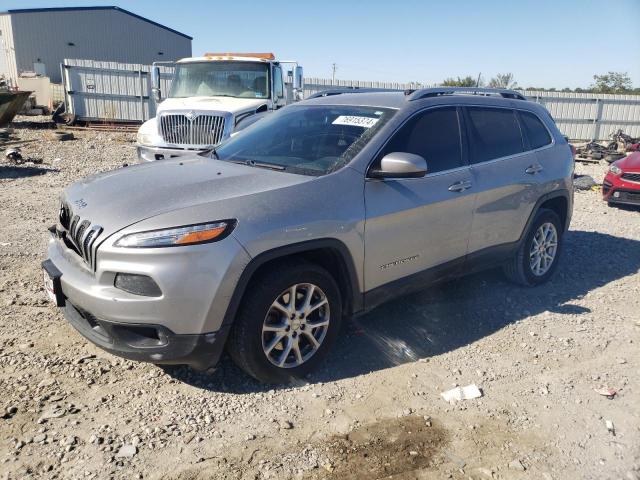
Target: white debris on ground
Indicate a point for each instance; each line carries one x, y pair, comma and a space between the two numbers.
462, 393
70, 410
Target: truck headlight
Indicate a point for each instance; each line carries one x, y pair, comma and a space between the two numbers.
144, 139
178, 236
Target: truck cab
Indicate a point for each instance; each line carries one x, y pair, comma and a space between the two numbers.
211, 97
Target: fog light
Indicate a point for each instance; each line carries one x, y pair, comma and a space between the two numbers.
616, 194
137, 284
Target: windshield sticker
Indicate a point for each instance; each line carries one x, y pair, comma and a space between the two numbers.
355, 121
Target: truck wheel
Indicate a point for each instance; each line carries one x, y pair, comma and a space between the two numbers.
537, 256
288, 320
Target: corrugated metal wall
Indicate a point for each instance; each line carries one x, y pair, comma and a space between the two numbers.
7, 57
114, 91
107, 35
111, 91
579, 116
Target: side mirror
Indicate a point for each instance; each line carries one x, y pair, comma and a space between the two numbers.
400, 165
298, 78
155, 83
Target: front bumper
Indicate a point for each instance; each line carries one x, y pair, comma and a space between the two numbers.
184, 325
148, 343
617, 190
151, 154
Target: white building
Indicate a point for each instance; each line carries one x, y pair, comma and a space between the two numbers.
38, 40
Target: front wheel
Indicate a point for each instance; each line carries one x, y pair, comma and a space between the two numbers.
537, 256
290, 316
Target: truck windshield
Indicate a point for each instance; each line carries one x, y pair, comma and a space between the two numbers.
227, 79
310, 140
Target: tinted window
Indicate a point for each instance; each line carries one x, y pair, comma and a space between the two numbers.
435, 135
494, 133
536, 132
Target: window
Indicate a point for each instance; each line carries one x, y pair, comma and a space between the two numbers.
306, 139
435, 135
277, 82
536, 132
494, 133
226, 79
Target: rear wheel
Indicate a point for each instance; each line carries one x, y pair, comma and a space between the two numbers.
537, 256
289, 318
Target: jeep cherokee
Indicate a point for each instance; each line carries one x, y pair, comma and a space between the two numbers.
323, 210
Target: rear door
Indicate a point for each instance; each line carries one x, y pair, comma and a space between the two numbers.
506, 173
415, 224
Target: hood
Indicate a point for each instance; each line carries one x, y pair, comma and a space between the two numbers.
121, 197
221, 104
630, 162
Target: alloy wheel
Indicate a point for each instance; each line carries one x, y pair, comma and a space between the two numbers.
543, 249
295, 325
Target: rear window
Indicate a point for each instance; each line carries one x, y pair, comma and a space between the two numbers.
495, 133
536, 132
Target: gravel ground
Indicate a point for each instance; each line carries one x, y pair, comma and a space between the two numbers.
70, 410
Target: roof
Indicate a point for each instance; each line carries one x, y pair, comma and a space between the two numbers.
400, 99
70, 9
221, 59
371, 99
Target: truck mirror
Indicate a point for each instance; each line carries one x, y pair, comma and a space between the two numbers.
155, 83
298, 78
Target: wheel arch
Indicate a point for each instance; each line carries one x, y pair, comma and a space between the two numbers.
329, 253
559, 201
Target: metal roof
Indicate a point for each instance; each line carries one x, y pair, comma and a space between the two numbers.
69, 9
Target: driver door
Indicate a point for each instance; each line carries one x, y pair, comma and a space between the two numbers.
417, 229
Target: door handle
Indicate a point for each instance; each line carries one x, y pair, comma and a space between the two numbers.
460, 186
533, 169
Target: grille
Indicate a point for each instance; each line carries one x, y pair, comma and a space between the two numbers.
203, 130
634, 177
629, 196
80, 234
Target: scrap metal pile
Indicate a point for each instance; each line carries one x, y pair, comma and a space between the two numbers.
613, 150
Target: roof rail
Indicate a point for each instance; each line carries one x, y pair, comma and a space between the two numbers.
347, 89
441, 91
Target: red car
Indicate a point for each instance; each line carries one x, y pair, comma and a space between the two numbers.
622, 182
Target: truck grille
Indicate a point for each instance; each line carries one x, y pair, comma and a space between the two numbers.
187, 129
80, 235
634, 177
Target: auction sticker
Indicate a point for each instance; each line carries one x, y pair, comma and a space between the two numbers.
355, 121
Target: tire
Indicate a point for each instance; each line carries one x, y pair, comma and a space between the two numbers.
612, 157
248, 342
519, 269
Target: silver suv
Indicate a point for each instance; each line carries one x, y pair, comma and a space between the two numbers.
320, 211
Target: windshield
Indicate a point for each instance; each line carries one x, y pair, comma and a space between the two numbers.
311, 140
228, 79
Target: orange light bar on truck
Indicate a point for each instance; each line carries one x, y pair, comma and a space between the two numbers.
262, 56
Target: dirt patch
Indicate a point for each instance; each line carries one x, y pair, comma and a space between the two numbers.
378, 450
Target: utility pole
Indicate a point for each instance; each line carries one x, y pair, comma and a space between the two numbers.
478, 81
333, 74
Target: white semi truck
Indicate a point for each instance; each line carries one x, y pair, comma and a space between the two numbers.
213, 96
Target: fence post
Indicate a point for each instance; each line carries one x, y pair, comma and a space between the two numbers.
596, 120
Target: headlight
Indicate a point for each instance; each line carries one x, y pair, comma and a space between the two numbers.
144, 138
615, 170
178, 236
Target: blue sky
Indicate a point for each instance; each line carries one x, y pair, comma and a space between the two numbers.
544, 43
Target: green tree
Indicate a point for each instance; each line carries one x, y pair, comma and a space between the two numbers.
467, 81
612, 82
503, 80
